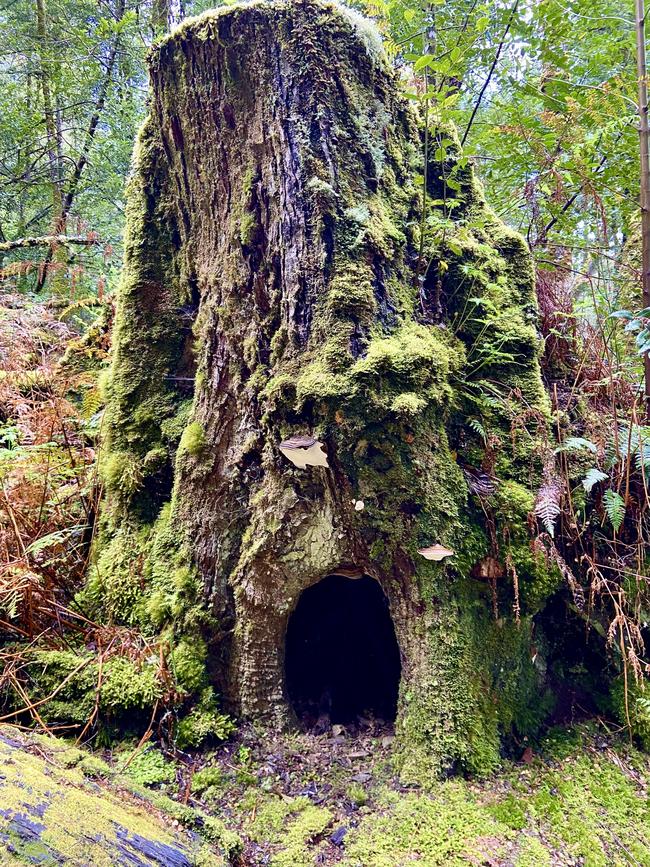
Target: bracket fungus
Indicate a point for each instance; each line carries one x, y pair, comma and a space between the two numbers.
488, 569
436, 552
304, 451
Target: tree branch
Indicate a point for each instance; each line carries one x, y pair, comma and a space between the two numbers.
47, 240
487, 81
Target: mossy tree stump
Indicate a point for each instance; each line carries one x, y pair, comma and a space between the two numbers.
271, 289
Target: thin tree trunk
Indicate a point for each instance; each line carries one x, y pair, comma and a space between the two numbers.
161, 14
644, 140
53, 145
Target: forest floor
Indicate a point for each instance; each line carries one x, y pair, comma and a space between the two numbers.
579, 797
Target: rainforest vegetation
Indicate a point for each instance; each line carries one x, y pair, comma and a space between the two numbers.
324, 432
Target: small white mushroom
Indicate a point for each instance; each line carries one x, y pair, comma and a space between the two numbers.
359, 505
304, 451
436, 552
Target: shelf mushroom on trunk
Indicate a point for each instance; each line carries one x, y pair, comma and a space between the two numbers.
304, 451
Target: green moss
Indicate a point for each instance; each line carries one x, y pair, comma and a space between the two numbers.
271, 815
573, 800
510, 811
172, 428
533, 854
188, 664
229, 842
633, 709
127, 685
122, 472
357, 794
247, 227
408, 403
203, 722
75, 819
193, 439
94, 767
206, 779
148, 767
299, 835
115, 580
447, 830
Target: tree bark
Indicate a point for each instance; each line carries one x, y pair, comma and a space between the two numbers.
274, 210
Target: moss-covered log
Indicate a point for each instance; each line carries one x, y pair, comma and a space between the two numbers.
275, 285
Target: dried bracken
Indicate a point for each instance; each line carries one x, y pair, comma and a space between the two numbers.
48, 482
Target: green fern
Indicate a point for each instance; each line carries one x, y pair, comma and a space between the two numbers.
594, 475
477, 427
576, 444
91, 403
614, 507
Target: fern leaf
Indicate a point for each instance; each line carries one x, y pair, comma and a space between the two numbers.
614, 507
547, 504
594, 475
576, 444
477, 427
91, 403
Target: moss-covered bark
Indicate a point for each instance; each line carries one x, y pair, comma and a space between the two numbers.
270, 289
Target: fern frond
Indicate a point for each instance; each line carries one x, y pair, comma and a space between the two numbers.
594, 475
614, 508
549, 496
91, 402
576, 444
477, 427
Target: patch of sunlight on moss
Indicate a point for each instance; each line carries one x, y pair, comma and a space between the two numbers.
75, 820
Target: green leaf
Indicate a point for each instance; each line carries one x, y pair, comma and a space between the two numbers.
482, 23
594, 475
576, 444
422, 62
614, 507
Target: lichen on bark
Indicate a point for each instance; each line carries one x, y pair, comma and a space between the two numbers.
271, 278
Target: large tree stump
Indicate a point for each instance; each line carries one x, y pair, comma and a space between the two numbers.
273, 288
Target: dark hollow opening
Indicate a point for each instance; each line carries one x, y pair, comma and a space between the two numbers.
342, 658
